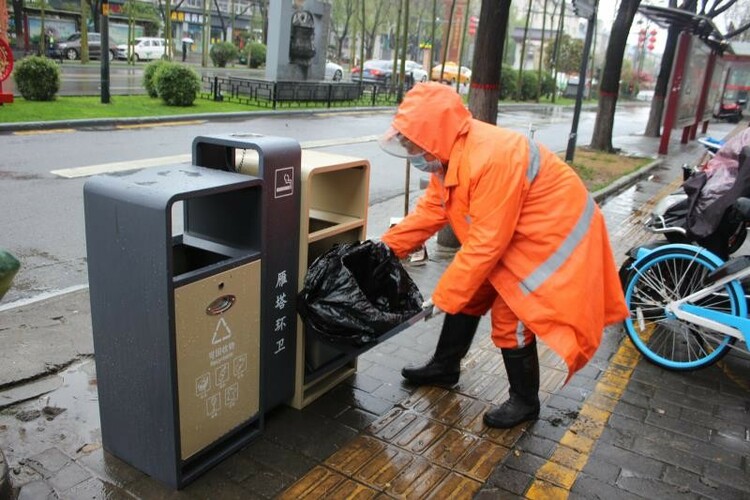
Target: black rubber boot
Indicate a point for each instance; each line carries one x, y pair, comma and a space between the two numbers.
522, 366
445, 366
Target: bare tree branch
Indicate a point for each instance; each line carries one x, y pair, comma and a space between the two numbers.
716, 9
738, 31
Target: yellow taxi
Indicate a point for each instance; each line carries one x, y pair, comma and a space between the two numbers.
450, 73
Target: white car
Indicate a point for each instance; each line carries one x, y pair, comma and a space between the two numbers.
144, 49
416, 70
334, 71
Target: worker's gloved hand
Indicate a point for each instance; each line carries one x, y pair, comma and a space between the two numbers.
432, 309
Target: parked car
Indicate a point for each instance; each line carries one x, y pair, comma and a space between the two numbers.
334, 71
416, 70
450, 74
71, 47
380, 72
144, 49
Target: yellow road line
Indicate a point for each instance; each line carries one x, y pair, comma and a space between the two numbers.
555, 478
48, 131
160, 124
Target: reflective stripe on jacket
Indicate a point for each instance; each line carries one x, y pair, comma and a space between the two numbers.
525, 221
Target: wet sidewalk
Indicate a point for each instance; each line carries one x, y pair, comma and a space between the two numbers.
620, 428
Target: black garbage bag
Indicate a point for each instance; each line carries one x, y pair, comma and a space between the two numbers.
356, 292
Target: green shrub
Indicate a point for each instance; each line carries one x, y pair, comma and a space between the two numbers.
255, 54
9, 266
37, 78
548, 85
508, 83
149, 82
176, 84
529, 85
223, 52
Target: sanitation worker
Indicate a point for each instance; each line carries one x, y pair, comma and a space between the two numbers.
534, 246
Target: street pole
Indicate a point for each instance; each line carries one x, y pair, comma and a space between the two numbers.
362, 46
43, 34
570, 153
558, 40
461, 45
541, 54
206, 33
447, 40
104, 55
523, 53
432, 38
394, 45
168, 30
404, 48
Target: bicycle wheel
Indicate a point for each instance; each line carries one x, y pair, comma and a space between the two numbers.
670, 274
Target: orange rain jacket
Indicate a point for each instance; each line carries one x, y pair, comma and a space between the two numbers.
525, 221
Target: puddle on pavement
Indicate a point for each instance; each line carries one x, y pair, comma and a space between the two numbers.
619, 208
67, 418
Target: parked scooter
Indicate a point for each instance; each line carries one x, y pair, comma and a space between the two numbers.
730, 111
684, 215
715, 224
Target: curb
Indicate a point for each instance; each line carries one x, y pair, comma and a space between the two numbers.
625, 182
6, 492
103, 122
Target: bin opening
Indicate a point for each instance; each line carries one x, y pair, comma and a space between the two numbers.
319, 224
188, 258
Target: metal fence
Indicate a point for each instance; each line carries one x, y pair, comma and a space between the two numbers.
295, 94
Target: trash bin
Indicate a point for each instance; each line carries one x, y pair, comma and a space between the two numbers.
275, 160
174, 261
334, 198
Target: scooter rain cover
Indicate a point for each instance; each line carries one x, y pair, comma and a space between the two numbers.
704, 218
356, 292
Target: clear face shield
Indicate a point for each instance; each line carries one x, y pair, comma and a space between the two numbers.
395, 143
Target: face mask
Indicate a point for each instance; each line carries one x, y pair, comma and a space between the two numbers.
424, 165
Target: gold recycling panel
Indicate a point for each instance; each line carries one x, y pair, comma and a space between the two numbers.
218, 365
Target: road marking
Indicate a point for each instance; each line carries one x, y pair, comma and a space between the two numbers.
159, 124
123, 166
41, 297
555, 478
49, 131
325, 143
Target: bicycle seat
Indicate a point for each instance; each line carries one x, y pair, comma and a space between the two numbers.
728, 268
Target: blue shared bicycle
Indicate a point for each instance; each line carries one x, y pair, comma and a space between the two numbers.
687, 306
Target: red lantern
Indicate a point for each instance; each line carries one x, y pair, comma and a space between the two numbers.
473, 23
650, 46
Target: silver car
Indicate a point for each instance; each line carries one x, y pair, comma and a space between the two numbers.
71, 48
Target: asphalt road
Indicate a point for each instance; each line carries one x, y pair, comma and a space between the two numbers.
43, 219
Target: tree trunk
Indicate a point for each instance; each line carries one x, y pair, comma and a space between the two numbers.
485, 76
487, 63
18, 21
653, 126
610, 86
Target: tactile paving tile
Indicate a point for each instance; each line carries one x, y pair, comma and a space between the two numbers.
433, 444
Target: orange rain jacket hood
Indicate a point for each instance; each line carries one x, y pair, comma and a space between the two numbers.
525, 221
